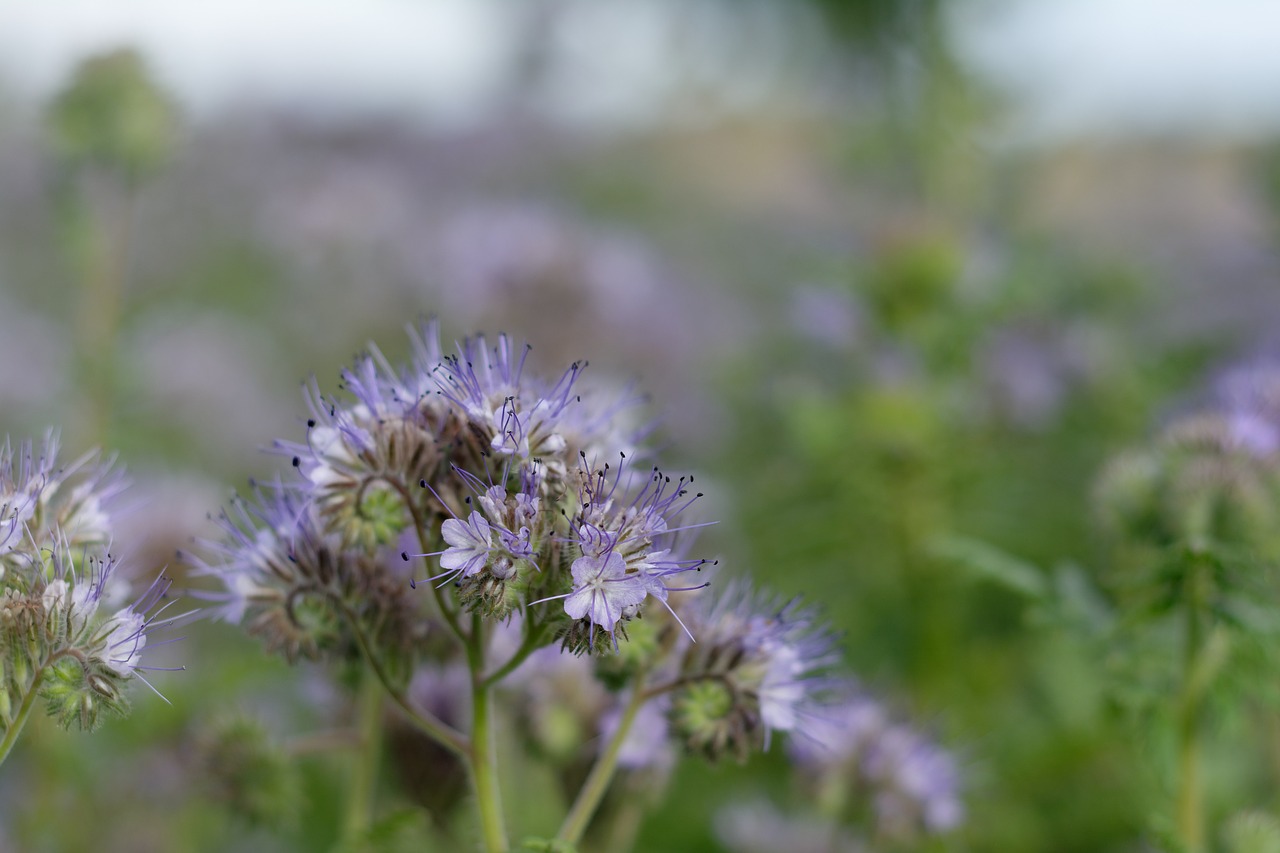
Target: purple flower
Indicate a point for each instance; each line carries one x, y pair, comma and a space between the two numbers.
254, 557
915, 780
603, 589
912, 783
632, 516
42, 503
469, 545
519, 416
1249, 399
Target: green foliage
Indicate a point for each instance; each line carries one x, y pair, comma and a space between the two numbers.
249, 773
547, 845
985, 562
1252, 832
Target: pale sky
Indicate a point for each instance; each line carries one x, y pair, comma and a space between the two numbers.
1068, 67
446, 61
1111, 67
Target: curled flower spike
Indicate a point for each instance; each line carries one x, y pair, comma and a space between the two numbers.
487, 383
758, 667
619, 532
297, 586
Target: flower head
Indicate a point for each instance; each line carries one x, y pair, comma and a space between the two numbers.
43, 503
758, 667
630, 542
56, 616
296, 585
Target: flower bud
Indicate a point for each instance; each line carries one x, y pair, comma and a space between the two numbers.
713, 720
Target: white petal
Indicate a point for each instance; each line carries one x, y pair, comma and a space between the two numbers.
577, 604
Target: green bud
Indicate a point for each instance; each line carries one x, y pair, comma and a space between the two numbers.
301, 627
493, 597
557, 732
714, 720
378, 518
77, 698
913, 279
584, 636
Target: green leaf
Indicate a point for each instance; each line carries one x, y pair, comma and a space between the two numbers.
1252, 832
547, 845
983, 561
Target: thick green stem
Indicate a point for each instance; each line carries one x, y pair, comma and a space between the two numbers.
1190, 795
364, 765
593, 790
24, 711
484, 759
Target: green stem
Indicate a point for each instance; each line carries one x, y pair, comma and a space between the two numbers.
532, 642
442, 732
623, 825
484, 764
364, 766
100, 310
24, 711
593, 790
1190, 794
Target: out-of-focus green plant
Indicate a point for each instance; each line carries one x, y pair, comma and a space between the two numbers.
113, 128
113, 115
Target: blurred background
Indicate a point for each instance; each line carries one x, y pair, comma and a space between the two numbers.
895, 274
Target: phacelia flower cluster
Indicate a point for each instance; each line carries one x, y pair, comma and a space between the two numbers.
518, 493
69, 631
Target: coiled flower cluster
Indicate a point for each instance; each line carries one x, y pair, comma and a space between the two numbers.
519, 494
